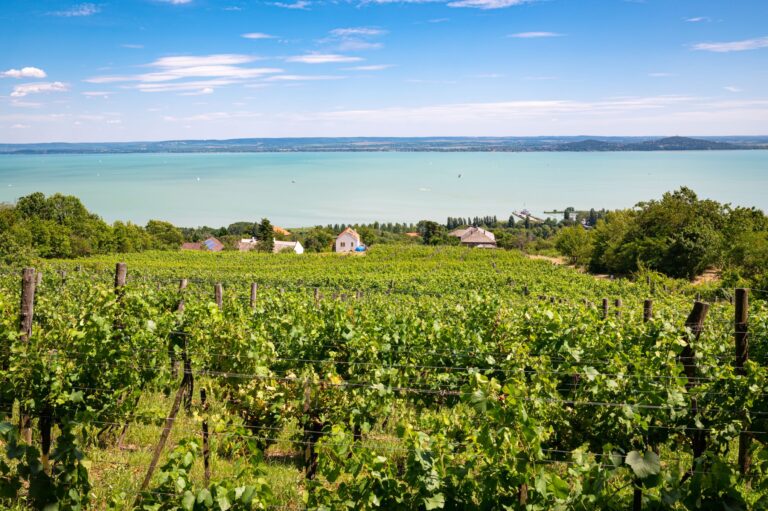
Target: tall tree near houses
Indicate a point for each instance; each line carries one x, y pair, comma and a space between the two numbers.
266, 236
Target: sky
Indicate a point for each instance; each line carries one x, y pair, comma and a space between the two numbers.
133, 70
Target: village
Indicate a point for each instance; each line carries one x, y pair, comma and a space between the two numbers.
348, 241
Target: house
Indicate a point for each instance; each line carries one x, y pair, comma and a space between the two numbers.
475, 237
248, 244
209, 245
349, 241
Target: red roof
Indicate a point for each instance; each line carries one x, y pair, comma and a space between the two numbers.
350, 231
191, 246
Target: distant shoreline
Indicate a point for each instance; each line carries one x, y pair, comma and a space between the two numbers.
399, 145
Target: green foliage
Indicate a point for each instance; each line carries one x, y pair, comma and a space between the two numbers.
265, 233
175, 490
575, 243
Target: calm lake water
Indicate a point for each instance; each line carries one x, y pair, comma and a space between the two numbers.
298, 189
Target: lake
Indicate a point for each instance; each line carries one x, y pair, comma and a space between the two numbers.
301, 189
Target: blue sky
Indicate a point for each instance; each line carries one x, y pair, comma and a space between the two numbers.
172, 69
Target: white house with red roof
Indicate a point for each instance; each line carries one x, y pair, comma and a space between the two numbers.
348, 241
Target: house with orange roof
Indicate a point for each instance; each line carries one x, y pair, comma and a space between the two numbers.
349, 241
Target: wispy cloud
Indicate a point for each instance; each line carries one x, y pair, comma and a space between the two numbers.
726, 47
534, 35
438, 20
323, 58
487, 4
176, 2
302, 78
299, 4
25, 89
202, 92
97, 94
354, 38
733, 88
357, 31
24, 72
372, 67
133, 46
78, 10
698, 19
257, 35
191, 73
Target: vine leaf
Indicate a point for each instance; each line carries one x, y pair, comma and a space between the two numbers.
644, 465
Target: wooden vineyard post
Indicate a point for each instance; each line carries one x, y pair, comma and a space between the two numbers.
317, 296
313, 430
254, 293
185, 389
742, 355
206, 448
647, 311
617, 306
39, 278
26, 315
695, 323
605, 308
218, 294
183, 283
637, 495
121, 273
525, 291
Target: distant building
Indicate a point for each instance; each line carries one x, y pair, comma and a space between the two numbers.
209, 245
475, 237
412, 234
249, 244
349, 241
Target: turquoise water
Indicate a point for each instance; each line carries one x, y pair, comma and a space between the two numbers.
298, 189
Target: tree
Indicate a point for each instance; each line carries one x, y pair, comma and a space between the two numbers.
266, 236
164, 235
575, 243
511, 221
429, 231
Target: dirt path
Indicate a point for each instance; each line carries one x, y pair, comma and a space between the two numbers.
562, 261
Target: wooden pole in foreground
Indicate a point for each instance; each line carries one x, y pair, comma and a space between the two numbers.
27, 312
605, 308
218, 294
206, 448
695, 323
647, 310
617, 304
254, 293
742, 355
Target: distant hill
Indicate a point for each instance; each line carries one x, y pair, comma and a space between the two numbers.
662, 144
396, 144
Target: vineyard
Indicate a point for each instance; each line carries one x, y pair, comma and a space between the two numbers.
409, 378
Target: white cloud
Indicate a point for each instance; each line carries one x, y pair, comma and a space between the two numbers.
177, 2
372, 67
323, 58
24, 72
257, 35
170, 74
733, 88
698, 19
487, 4
133, 46
36, 88
357, 31
747, 44
298, 4
202, 92
19, 126
302, 78
534, 35
78, 10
